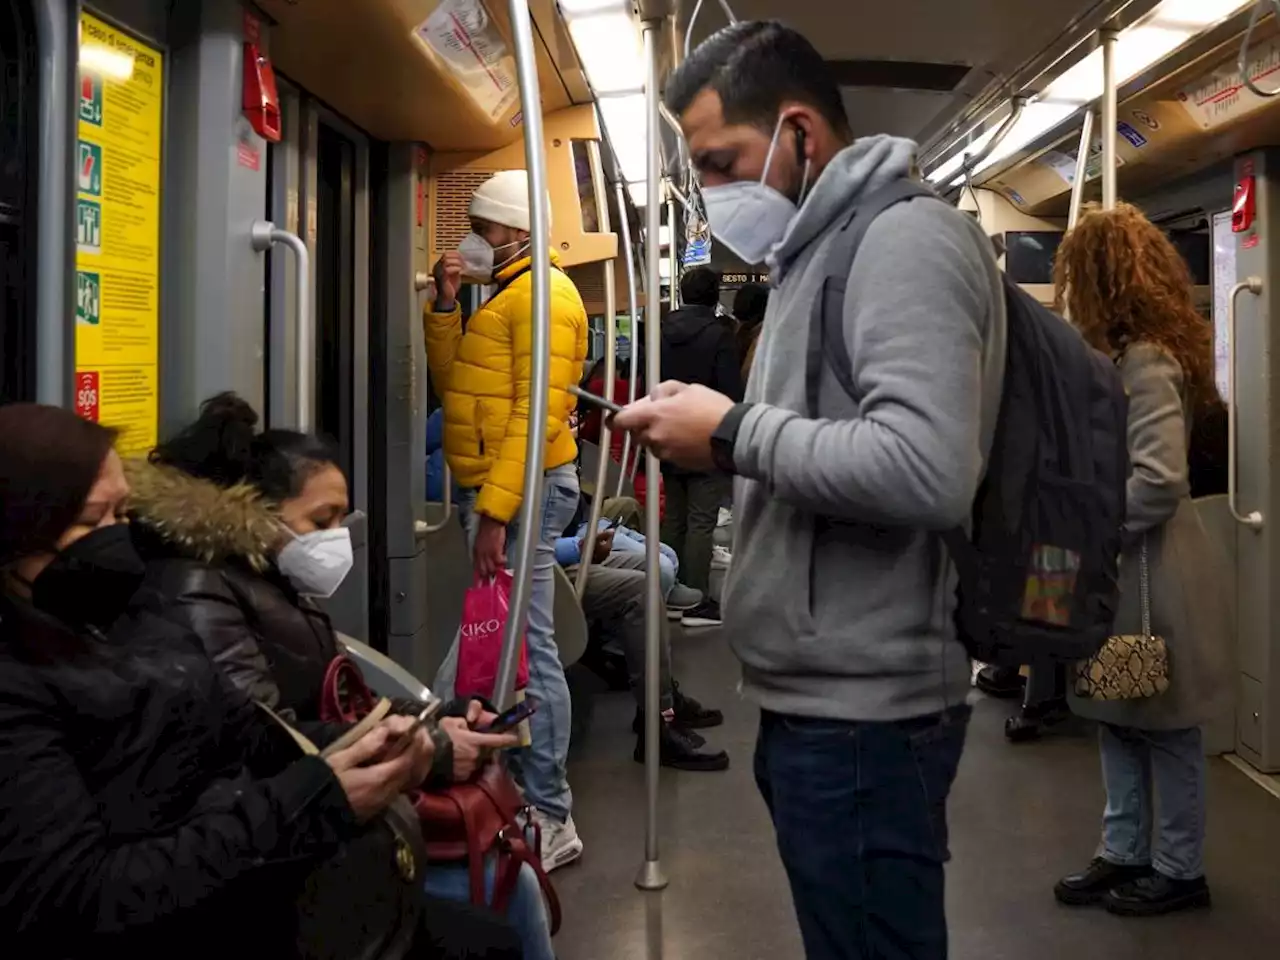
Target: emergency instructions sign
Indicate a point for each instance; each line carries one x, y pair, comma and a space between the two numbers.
117, 310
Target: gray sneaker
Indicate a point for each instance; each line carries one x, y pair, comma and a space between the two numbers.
680, 599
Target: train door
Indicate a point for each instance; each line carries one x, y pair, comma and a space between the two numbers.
317, 188
18, 168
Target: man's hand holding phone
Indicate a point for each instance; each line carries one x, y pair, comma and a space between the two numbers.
472, 747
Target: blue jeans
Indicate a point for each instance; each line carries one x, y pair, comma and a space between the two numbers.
860, 810
541, 767
1137, 764
526, 911
668, 562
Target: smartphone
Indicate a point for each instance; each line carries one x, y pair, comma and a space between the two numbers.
512, 718
608, 405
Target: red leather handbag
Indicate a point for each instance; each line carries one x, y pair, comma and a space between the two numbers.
464, 822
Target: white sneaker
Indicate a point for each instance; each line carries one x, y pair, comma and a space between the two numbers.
720, 558
560, 843
724, 517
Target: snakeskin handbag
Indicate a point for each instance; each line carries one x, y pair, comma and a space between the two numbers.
1129, 666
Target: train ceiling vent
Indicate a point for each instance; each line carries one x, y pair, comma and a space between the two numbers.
899, 74
453, 177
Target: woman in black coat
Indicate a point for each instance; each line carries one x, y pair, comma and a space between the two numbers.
146, 808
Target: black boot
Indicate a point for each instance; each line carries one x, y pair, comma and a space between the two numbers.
1003, 682
676, 750
637, 727
1155, 895
1091, 886
692, 715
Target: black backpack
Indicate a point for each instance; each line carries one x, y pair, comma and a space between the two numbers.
1039, 572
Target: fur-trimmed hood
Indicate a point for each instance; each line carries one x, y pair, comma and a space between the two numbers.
201, 519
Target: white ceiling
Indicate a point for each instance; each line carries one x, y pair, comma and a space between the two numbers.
992, 36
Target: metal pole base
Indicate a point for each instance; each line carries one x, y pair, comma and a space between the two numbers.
651, 876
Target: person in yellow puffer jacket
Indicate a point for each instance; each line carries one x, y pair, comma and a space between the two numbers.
482, 373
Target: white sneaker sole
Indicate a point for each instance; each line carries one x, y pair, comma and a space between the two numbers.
563, 857
697, 622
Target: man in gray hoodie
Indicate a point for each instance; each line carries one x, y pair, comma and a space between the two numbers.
840, 598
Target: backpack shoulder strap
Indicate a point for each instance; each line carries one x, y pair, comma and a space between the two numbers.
826, 334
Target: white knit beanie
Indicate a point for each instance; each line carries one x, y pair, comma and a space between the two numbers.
504, 199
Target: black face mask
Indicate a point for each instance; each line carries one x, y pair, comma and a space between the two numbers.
91, 582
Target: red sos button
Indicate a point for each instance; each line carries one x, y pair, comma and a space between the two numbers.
88, 395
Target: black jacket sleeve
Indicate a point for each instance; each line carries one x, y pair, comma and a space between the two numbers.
728, 365
64, 875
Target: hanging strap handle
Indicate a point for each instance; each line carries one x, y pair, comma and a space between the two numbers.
1144, 588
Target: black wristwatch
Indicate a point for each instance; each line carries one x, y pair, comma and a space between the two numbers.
725, 437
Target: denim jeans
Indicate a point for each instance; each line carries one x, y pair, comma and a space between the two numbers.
1136, 764
860, 811
541, 767
526, 911
668, 562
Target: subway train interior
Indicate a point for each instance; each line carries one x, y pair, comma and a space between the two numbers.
213, 195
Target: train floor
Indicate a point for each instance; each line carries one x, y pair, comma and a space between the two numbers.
1020, 816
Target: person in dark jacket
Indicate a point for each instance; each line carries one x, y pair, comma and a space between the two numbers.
241, 532
698, 346
748, 309
146, 807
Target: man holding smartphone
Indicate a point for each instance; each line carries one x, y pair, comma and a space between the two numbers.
482, 374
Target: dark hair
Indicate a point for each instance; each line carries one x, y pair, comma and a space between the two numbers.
756, 66
222, 447
700, 286
49, 461
749, 303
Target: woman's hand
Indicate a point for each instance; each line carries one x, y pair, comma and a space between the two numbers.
420, 746
370, 789
472, 750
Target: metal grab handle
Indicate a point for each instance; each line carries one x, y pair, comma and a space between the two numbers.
1108, 117
610, 362
1082, 166
633, 306
540, 379
423, 281
1252, 520
263, 235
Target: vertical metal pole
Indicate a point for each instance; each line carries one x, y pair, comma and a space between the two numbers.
1082, 165
610, 362
1108, 119
673, 251
57, 26
651, 876
624, 228
540, 383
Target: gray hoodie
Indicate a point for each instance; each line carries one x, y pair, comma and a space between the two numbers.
854, 620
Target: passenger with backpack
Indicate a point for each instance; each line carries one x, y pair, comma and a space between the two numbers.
884, 446
1136, 304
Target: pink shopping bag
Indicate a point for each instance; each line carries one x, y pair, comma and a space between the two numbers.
484, 620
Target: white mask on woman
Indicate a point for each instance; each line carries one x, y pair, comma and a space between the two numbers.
317, 563
478, 256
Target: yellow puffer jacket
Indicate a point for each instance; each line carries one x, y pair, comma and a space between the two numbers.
482, 376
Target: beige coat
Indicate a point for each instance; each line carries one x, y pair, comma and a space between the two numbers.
1190, 602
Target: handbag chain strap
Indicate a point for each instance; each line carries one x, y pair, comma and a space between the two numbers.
1144, 588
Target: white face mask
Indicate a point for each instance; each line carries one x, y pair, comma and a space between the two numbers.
317, 563
478, 256
751, 218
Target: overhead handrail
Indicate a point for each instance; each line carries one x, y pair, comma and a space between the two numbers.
1109, 113
970, 163
693, 18
633, 306
1242, 61
610, 363
540, 380
264, 235
673, 248
423, 281
1253, 519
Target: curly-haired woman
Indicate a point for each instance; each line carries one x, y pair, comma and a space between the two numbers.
1130, 295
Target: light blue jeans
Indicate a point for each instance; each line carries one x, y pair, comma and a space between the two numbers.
541, 768
668, 562
1136, 764
526, 910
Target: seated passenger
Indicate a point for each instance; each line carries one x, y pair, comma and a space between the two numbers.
240, 532
620, 510
147, 808
615, 597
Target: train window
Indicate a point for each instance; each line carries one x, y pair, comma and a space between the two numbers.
1029, 255
17, 197
1224, 278
1194, 247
